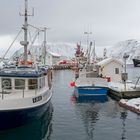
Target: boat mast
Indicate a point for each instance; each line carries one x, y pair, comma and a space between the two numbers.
88, 46
44, 47
25, 28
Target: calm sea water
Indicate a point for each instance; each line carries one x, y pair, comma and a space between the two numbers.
67, 119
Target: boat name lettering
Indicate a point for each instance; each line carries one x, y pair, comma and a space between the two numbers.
37, 99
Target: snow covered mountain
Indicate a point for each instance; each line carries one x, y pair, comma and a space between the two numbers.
68, 49
63, 49
130, 47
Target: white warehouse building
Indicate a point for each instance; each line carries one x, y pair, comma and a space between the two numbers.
112, 68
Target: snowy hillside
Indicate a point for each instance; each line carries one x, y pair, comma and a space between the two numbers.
68, 49
63, 49
130, 47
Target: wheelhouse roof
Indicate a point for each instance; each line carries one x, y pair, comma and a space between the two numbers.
25, 72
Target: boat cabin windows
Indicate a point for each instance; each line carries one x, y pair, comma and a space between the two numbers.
25, 83
116, 70
32, 83
19, 84
6, 83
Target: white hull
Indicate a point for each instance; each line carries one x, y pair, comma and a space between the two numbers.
25, 103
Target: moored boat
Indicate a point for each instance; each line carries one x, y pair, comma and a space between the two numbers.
88, 82
136, 62
91, 87
25, 95
25, 89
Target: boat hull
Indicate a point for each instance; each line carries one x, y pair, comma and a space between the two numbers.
10, 118
88, 99
136, 62
15, 118
90, 91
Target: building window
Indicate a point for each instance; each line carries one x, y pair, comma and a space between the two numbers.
6, 83
32, 83
116, 70
19, 84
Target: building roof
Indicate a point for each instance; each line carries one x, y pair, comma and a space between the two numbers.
109, 60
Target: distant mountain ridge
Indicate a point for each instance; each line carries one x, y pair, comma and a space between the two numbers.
130, 47
63, 49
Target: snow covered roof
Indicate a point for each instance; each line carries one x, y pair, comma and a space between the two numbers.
108, 60
54, 54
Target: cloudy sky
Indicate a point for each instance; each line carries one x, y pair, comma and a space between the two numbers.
110, 21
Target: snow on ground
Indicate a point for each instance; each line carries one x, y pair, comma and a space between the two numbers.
132, 102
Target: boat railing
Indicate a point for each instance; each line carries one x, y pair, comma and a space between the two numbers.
20, 89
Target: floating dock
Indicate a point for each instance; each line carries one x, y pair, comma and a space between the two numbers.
125, 91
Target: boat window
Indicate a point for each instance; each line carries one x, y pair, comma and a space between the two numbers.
116, 70
19, 84
32, 83
6, 83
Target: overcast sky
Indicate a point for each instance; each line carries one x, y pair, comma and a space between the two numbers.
110, 21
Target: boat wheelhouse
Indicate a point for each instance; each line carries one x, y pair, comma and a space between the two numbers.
24, 80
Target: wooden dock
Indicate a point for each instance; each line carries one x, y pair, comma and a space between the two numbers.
61, 67
118, 91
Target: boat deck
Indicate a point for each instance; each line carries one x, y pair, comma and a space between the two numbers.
91, 82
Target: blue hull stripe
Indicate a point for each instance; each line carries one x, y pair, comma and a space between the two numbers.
91, 91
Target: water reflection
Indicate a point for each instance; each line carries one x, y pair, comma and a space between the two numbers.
36, 130
123, 118
89, 117
87, 109
95, 117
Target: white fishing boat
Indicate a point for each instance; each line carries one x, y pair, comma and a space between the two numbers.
88, 83
25, 89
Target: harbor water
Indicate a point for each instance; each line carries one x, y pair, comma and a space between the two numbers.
68, 119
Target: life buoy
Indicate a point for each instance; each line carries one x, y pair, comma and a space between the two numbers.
6, 83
